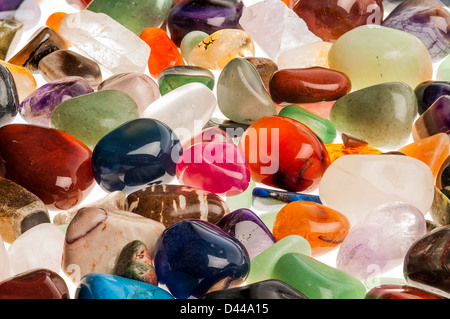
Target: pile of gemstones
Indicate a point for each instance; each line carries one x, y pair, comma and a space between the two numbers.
235, 149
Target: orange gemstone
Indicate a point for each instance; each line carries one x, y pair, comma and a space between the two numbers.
337, 150
54, 20
164, 53
323, 227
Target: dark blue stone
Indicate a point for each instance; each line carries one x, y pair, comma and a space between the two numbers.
139, 153
283, 196
192, 256
428, 92
9, 100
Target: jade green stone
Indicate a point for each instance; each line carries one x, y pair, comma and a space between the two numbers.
189, 41
176, 76
241, 95
262, 266
91, 116
10, 33
323, 128
381, 115
372, 54
443, 70
135, 15
269, 218
315, 279
242, 200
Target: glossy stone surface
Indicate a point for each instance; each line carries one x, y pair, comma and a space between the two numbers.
385, 54
35, 284
10, 5
135, 263
170, 204
29, 13
443, 70
134, 15
210, 134
9, 98
202, 15
428, 92
195, 257
393, 291
60, 179
314, 54
308, 85
337, 150
23, 78
20, 210
265, 67
428, 20
164, 53
95, 238
321, 109
54, 20
134, 155
10, 32
323, 227
43, 42
381, 115
242, 200
426, 262
241, 95
264, 199
317, 280
65, 63
262, 266
355, 185
323, 128
443, 175
107, 286
282, 167
37, 107
219, 168
219, 48
330, 19
105, 41
5, 271
189, 41
139, 86
379, 242
275, 27
440, 210
434, 120
245, 226
267, 289
91, 116
176, 76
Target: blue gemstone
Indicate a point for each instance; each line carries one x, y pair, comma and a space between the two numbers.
192, 256
283, 196
139, 153
106, 286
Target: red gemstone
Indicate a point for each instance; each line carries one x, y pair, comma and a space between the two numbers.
393, 291
51, 164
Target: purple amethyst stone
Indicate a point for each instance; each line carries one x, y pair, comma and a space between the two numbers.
9, 5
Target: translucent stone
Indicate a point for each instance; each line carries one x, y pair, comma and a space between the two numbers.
5, 271
190, 40
24, 79
305, 56
10, 31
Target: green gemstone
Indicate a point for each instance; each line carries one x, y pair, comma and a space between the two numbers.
189, 41
443, 70
317, 280
176, 76
322, 127
91, 116
242, 200
10, 33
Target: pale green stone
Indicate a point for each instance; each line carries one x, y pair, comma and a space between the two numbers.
189, 41
374, 282
269, 218
91, 116
443, 70
242, 200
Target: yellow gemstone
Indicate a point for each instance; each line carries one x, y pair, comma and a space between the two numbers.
24, 79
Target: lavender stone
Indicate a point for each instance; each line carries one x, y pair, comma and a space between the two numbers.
38, 106
8, 5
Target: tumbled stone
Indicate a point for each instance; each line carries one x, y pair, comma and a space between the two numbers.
443, 175
29, 13
321, 109
23, 78
440, 210
170, 204
337, 150
183, 256
270, 199
64, 63
189, 41
314, 54
9, 98
5, 271
443, 70
10, 33
355, 185
37, 107
426, 262
265, 67
95, 237
428, 92
176, 76
54, 20
242, 200
91, 116
434, 120
60, 179
393, 291
381, 115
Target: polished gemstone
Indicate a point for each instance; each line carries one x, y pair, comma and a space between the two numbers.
23, 78
189, 41
428, 92
314, 54
10, 34
337, 150
436, 119
265, 199
9, 98
265, 67
176, 76
395, 291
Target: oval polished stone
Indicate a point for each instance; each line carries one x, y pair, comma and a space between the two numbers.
395, 291
443, 70
9, 98
434, 120
91, 116
190, 40
170, 204
385, 55
337, 150
23, 78
60, 179
265, 67
134, 155
381, 115
355, 185
308, 85
176, 76
426, 262
195, 257
428, 92
274, 164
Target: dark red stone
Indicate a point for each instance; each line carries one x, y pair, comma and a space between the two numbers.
308, 85
392, 291
34, 284
51, 164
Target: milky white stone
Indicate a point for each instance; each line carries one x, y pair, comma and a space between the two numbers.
5, 271
29, 13
186, 109
39, 247
105, 41
355, 184
275, 27
305, 56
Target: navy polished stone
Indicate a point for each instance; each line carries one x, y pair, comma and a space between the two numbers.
428, 92
193, 257
138, 153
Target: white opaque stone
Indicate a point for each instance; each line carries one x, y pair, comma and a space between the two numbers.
275, 27
186, 109
5, 271
355, 184
105, 41
29, 13
39, 247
